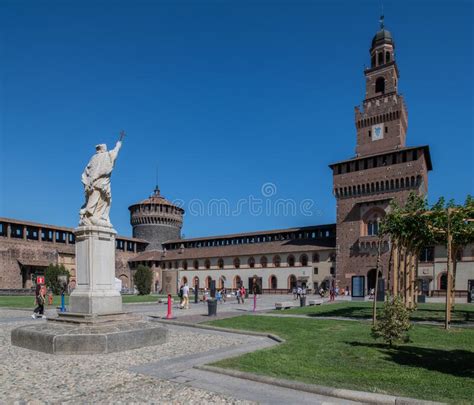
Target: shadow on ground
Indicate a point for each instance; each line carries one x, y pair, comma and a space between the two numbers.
458, 317
458, 363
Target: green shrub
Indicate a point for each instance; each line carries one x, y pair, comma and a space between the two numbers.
394, 322
143, 278
51, 277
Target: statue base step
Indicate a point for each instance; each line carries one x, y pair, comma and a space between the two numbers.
88, 334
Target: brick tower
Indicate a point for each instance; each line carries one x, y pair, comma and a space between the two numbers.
156, 220
383, 169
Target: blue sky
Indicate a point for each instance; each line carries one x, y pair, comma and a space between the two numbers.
223, 97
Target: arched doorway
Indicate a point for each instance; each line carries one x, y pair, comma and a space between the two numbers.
292, 282
208, 281
237, 282
122, 278
222, 281
273, 282
371, 279
443, 281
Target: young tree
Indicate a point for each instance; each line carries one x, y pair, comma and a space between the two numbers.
393, 323
143, 278
51, 277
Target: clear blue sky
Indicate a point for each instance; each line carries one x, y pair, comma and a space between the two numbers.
223, 96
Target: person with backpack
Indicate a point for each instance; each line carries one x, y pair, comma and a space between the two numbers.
40, 300
185, 296
180, 295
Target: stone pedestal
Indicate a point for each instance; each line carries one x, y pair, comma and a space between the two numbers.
94, 322
79, 334
95, 292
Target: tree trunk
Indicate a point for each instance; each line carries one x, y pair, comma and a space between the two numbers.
396, 265
448, 278
413, 280
406, 256
453, 282
377, 266
389, 274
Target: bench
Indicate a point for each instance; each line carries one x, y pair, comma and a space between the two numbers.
285, 305
315, 302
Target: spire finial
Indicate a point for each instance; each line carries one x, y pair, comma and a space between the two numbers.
157, 189
382, 25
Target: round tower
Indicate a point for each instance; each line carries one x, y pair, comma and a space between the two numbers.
156, 220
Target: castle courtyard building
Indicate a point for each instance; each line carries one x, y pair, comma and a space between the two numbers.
383, 169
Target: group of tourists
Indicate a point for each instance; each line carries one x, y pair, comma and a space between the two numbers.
241, 295
299, 292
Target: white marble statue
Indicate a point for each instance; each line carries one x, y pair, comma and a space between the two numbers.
96, 181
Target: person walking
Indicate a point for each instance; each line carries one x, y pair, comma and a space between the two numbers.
242, 294
40, 300
237, 294
186, 296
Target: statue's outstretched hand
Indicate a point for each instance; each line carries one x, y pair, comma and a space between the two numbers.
122, 136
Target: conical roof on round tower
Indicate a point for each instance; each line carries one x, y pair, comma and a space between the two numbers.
156, 219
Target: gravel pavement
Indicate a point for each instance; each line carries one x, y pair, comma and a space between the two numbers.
33, 377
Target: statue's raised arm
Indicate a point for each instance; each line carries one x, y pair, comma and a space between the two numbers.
96, 181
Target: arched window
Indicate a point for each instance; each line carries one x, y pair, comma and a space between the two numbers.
304, 260
276, 261
380, 85
372, 61
251, 262
291, 260
264, 261
185, 265
273, 282
207, 264
184, 280
387, 57
237, 263
162, 265
315, 258
332, 257
220, 263
380, 58
196, 264
169, 265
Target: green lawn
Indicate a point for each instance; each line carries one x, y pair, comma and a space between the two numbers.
8, 301
436, 365
463, 313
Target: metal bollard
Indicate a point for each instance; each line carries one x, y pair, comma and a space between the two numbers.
169, 315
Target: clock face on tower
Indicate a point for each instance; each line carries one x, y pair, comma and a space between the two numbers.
377, 131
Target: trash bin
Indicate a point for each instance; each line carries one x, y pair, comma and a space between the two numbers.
212, 307
302, 301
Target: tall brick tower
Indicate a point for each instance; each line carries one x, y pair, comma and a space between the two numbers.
383, 169
156, 220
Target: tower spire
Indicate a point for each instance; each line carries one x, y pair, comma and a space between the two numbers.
381, 21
